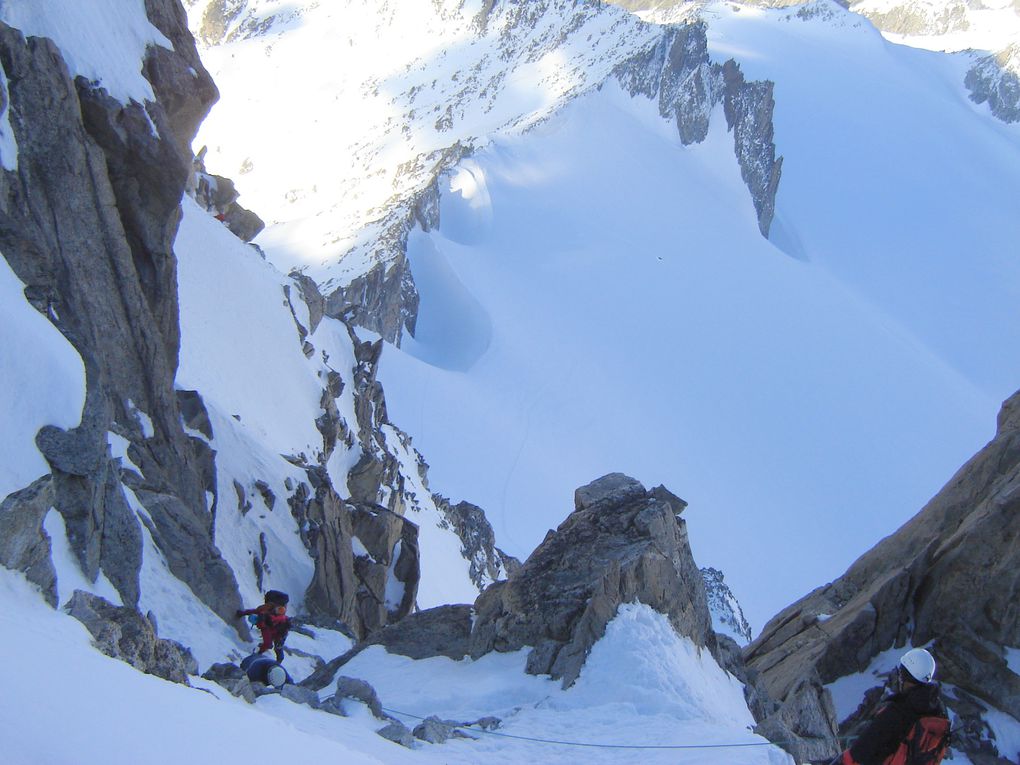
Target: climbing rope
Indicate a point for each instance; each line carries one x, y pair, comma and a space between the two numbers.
592, 745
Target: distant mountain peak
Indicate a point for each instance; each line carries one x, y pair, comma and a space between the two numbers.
727, 615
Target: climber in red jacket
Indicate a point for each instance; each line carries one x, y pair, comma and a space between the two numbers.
272, 621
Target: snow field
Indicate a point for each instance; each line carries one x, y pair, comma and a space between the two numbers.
58, 678
378, 109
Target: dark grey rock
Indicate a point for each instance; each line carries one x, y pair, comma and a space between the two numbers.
125, 634
194, 413
300, 695
440, 631
120, 555
678, 73
314, 300
359, 690
622, 544
24, 543
542, 657
88, 224
186, 542
613, 490
69, 451
749, 107
233, 679
398, 733
182, 85
437, 731
332, 591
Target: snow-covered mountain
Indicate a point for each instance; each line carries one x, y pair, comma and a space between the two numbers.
552, 344
511, 247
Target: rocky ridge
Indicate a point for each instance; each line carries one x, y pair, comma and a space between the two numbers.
88, 221
947, 579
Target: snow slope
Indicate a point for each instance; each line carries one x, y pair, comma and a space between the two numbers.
43, 384
805, 395
616, 310
661, 694
241, 350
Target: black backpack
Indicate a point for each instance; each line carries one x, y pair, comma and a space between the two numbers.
277, 598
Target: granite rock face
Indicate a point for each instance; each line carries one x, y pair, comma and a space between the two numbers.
948, 579
621, 544
87, 222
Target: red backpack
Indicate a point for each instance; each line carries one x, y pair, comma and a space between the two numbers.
926, 743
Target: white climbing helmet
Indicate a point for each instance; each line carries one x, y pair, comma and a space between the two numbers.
277, 676
919, 664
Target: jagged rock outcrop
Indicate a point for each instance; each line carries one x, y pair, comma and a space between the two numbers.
125, 634
995, 79
948, 578
24, 544
487, 562
219, 195
387, 564
678, 73
87, 222
367, 564
621, 544
326, 523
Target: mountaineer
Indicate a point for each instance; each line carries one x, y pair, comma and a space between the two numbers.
272, 621
912, 726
